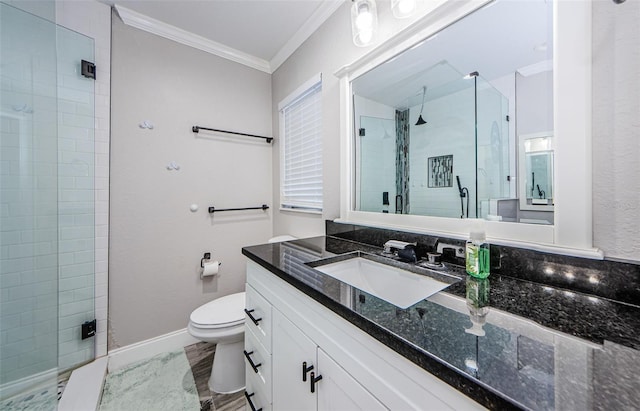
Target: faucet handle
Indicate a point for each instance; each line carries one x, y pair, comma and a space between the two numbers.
398, 245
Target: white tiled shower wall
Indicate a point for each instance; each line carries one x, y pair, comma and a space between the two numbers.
93, 20
28, 200
35, 291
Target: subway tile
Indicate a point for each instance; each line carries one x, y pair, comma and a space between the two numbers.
66, 246
101, 290
85, 220
65, 258
21, 292
76, 270
10, 280
46, 261
10, 322
46, 289
73, 133
10, 237
86, 293
65, 296
84, 257
73, 283
77, 232
20, 333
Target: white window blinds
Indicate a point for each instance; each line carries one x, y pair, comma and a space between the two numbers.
301, 155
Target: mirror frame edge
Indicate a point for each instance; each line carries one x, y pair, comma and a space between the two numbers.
572, 232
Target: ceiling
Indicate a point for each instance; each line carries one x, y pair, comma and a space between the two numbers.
497, 40
261, 32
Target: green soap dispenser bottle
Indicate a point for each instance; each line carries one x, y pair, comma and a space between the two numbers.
477, 255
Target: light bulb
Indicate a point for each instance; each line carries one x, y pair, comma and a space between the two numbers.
366, 35
403, 8
364, 22
364, 19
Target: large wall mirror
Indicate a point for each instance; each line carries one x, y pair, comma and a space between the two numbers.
437, 124
432, 122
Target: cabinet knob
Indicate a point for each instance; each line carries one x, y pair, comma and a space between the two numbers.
305, 370
251, 317
248, 397
251, 363
314, 380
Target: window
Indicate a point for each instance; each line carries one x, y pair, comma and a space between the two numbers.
301, 148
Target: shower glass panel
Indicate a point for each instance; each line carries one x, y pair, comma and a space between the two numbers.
492, 145
377, 164
29, 205
46, 206
76, 217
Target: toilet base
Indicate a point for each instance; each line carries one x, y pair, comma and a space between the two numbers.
227, 372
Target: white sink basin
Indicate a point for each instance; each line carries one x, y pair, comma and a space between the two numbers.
399, 287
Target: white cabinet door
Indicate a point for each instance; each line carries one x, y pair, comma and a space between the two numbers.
338, 391
290, 349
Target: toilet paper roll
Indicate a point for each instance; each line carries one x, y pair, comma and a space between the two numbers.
210, 268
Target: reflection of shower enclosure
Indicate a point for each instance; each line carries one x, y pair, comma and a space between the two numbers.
376, 164
47, 205
466, 122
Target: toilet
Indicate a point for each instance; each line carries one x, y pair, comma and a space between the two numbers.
221, 321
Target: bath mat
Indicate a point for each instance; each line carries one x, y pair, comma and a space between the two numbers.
43, 399
164, 382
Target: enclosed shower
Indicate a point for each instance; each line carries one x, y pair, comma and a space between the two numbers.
442, 151
47, 195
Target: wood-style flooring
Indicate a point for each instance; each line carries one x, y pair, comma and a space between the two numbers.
200, 358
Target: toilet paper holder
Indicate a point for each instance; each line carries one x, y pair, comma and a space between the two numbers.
207, 256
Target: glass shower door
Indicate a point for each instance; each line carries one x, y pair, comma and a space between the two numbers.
28, 207
377, 164
492, 149
47, 217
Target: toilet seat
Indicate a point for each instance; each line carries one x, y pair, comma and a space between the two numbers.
227, 311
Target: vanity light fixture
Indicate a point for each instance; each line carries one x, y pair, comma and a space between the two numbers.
364, 22
403, 8
421, 121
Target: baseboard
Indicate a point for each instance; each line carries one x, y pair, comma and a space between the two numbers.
121, 357
47, 378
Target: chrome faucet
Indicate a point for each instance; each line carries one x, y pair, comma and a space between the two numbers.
395, 244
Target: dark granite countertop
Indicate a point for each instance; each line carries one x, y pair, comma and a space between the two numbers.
533, 346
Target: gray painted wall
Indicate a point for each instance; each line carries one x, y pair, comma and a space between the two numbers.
156, 242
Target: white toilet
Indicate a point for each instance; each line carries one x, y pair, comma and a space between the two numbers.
221, 321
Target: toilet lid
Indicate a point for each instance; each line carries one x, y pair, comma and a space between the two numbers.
227, 310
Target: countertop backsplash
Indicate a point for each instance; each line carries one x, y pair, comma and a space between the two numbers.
613, 280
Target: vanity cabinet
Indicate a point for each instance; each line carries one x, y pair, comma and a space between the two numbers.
351, 369
306, 378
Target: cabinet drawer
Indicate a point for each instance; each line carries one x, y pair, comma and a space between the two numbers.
255, 394
261, 359
260, 310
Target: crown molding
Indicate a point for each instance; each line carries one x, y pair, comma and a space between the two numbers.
322, 13
157, 27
